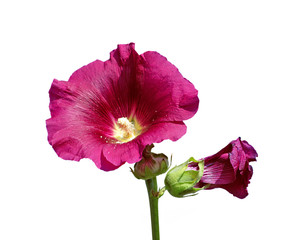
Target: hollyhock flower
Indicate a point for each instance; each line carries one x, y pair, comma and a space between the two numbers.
109, 111
229, 168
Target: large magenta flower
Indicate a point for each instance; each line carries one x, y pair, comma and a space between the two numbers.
109, 111
229, 168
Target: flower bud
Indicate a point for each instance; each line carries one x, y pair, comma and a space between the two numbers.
229, 168
151, 164
180, 181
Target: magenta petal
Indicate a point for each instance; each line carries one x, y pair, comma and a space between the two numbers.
161, 131
250, 152
242, 153
177, 100
239, 187
107, 165
218, 172
65, 145
118, 154
146, 89
88, 76
59, 89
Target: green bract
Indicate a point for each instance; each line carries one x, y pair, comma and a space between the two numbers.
180, 181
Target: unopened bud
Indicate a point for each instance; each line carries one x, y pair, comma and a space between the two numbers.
180, 181
151, 164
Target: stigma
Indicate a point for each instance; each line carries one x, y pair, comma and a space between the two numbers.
126, 130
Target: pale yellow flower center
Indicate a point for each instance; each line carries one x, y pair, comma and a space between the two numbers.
126, 130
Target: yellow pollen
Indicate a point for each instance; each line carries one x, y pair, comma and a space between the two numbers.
126, 130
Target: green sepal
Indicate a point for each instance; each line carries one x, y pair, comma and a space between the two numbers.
175, 173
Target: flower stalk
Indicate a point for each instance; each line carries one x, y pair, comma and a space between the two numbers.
152, 188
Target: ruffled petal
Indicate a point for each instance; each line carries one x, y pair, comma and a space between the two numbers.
169, 94
161, 131
250, 152
118, 154
242, 153
239, 187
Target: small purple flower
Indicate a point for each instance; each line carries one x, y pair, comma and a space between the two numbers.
229, 168
109, 111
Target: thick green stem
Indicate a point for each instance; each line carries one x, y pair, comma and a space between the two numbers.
152, 188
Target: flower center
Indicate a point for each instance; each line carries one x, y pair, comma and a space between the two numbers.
126, 130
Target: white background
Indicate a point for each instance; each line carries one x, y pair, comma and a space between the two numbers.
240, 55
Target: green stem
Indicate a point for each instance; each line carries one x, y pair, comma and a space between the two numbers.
152, 187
